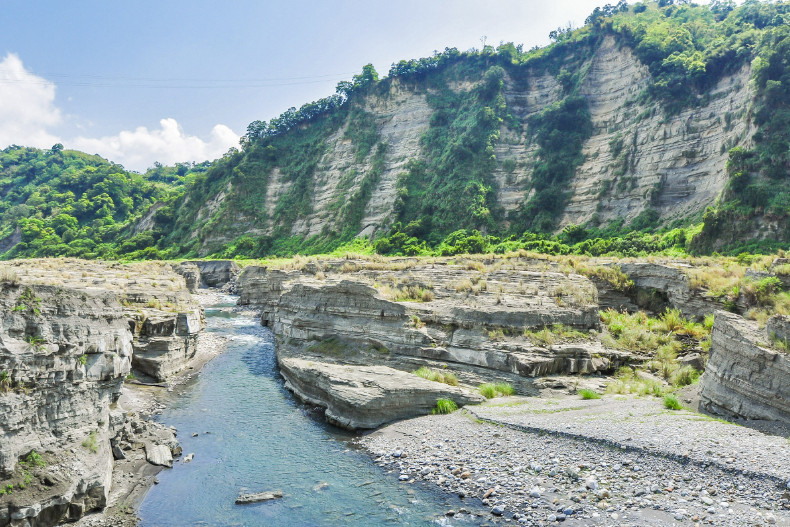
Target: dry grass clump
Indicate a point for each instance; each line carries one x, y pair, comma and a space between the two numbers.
613, 276
550, 335
405, 294
718, 280
463, 285
8, 275
575, 294
628, 381
430, 374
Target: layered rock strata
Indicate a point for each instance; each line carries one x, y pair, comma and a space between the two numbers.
745, 376
357, 397
69, 331
465, 316
216, 273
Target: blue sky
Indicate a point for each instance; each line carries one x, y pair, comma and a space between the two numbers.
90, 74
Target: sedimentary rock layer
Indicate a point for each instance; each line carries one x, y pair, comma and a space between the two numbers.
358, 397
458, 315
744, 376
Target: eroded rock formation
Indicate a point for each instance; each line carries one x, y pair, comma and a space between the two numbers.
746, 376
69, 331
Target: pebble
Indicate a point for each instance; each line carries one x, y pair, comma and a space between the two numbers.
514, 476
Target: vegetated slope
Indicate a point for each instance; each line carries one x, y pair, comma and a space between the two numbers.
649, 118
65, 203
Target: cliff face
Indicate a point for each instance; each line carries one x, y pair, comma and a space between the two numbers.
70, 332
436, 312
636, 159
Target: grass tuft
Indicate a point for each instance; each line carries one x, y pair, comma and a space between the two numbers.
430, 374
671, 402
491, 390
589, 394
445, 406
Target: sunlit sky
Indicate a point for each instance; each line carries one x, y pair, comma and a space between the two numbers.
174, 81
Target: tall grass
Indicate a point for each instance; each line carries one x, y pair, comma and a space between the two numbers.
551, 335
430, 374
491, 390
671, 402
445, 406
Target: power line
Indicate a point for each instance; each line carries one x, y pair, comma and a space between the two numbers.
218, 83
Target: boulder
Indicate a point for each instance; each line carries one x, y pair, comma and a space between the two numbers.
158, 455
358, 397
245, 499
694, 360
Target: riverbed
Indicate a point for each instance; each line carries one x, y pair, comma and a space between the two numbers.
254, 436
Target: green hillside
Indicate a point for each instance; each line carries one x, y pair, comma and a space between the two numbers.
68, 203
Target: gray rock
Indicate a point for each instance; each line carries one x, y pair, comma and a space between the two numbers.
744, 377
358, 397
118, 454
245, 499
188, 458
498, 510
694, 360
158, 455
215, 273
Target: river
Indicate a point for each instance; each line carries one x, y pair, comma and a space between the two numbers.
255, 436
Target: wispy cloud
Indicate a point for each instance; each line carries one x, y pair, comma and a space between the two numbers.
28, 111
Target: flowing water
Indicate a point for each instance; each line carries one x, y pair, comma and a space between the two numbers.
254, 436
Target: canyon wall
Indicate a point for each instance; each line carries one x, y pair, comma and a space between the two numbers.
70, 333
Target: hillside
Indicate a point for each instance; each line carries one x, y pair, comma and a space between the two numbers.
652, 118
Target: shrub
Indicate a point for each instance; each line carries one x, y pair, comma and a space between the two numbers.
487, 390
5, 382
589, 394
82, 359
671, 402
445, 406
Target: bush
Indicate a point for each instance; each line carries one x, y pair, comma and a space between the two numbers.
589, 394
90, 443
671, 402
445, 406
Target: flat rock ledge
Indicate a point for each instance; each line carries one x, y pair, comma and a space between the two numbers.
245, 499
359, 397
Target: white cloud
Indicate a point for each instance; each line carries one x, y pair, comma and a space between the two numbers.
139, 149
27, 111
26, 106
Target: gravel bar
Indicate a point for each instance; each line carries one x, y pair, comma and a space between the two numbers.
531, 469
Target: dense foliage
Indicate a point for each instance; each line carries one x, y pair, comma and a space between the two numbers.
251, 202
64, 203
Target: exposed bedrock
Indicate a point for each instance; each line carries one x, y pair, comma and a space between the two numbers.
69, 333
744, 376
216, 273
357, 397
657, 286
66, 355
479, 326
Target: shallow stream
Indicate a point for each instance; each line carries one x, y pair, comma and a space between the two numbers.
254, 436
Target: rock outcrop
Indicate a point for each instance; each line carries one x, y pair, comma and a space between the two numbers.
745, 377
458, 315
69, 331
357, 397
191, 274
216, 273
